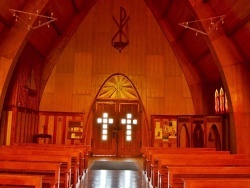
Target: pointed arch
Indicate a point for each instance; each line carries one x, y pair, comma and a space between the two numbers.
118, 87
214, 139
226, 103
222, 100
184, 139
198, 136
217, 101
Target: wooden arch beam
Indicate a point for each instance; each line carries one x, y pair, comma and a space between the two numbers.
235, 75
12, 46
192, 74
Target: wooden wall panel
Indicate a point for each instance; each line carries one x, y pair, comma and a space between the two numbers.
28, 128
101, 54
81, 103
97, 81
5, 66
21, 123
85, 33
185, 90
45, 104
42, 122
155, 76
155, 106
82, 66
102, 14
138, 39
63, 99
171, 106
56, 125
172, 67
4, 116
18, 128
140, 85
155, 44
136, 58
187, 105
119, 63
8, 129
50, 125
67, 141
50, 86
28, 68
67, 64
89, 59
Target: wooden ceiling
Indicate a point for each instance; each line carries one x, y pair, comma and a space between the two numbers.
42, 39
236, 25
194, 52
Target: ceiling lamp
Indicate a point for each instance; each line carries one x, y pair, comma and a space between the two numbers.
214, 23
26, 18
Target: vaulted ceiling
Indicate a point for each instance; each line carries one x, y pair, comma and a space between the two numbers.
196, 55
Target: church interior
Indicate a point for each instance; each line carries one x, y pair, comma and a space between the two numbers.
125, 79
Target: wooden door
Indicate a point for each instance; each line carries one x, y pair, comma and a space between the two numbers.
104, 125
129, 134
117, 129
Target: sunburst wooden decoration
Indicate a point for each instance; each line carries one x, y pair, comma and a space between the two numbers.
118, 87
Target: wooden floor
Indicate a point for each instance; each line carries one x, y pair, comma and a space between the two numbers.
115, 178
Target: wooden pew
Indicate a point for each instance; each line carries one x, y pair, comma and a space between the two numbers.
144, 149
148, 150
50, 171
83, 148
21, 180
152, 160
164, 164
65, 161
216, 182
176, 174
73, 154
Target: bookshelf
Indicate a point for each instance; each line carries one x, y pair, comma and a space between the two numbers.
75, 129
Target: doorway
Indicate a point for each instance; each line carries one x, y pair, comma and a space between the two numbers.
116, 128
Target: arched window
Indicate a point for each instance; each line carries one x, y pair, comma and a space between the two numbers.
217, 101
226, 103
221, 102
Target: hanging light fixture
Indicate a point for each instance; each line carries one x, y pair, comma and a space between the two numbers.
28, 17
214, 23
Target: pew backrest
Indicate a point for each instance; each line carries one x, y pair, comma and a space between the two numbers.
46, 169
175, 173
21, 180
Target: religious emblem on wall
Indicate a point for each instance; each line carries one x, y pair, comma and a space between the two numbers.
165, 129
120, 39
158, 130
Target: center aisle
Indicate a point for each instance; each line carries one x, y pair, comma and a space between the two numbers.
114, 178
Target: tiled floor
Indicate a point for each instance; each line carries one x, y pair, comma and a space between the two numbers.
115, 178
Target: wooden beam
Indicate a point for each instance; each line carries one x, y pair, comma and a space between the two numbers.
4, 21
240, 24
74, 6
